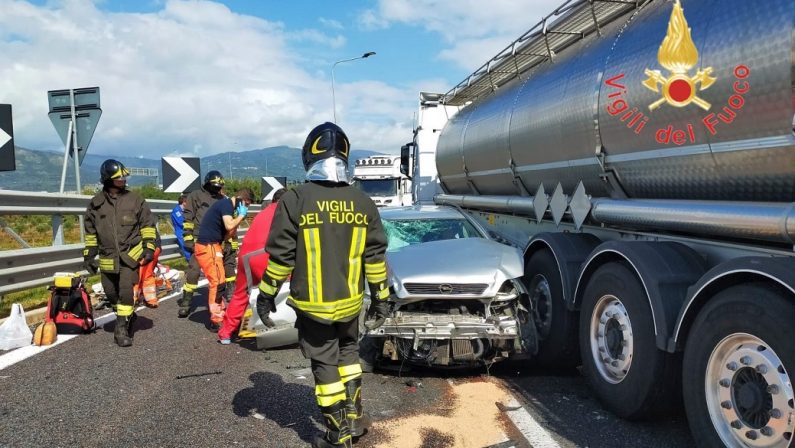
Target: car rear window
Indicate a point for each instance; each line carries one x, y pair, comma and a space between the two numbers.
406, 232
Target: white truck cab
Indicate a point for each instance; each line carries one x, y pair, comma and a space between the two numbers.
381, 179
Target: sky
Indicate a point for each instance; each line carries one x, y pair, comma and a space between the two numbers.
200, 77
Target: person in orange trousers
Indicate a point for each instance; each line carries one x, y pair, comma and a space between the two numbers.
255, 239
147, 283
221, 219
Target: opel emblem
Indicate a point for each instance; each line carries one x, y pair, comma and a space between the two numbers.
445, 288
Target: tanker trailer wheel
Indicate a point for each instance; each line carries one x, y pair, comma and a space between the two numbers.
738, 358
629, 374
557, 326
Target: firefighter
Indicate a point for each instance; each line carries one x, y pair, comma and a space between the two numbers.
196, 205
120, 228
326, 233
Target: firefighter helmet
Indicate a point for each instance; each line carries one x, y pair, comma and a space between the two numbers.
326, 140
214, 178
112, 170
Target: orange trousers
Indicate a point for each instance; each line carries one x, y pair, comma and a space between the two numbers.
147, 284
211, 261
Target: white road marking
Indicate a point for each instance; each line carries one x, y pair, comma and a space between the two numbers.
23, 353
530, 429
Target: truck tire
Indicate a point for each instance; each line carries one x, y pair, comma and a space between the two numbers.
556, 325
630, 376
738, 358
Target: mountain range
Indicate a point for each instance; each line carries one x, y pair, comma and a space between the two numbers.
38, 170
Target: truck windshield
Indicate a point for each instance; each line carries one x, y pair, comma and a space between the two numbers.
377, 187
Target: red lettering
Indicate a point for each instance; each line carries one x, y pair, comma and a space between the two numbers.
736, 102
742, 90
741, 71
612, 81
729, 117
710, 122
691, 133
678, 137
641, 125
634, 119
663, 135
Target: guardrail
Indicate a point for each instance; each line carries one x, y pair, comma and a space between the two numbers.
27, 268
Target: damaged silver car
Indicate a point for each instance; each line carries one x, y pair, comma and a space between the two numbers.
458, 299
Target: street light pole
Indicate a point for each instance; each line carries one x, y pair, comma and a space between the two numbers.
333, 95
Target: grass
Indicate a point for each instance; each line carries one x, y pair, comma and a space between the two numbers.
34, 298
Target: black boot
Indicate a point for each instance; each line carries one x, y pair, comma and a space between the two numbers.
130, 322
184, 304
358, 420
338, 433
120, 333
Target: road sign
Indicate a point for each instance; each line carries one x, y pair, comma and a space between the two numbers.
181, 174
87, 113
270, 185
7, 160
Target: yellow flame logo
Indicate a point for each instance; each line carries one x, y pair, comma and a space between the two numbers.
678, 54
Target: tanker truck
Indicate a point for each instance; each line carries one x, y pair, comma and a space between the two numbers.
642, 156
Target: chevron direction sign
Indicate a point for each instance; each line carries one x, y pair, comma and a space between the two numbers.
7, 160
270, 185
181, 174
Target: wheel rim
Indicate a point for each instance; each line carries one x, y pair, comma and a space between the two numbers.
541, 298
749, 394
611, 339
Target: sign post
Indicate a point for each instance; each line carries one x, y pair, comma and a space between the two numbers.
74, 113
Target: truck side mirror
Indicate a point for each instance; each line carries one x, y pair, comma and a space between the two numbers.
405, 158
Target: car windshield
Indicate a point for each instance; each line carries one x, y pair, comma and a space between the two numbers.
407, 232
377, 187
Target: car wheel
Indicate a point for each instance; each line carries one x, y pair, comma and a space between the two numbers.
737, 362
556, 325
629, 374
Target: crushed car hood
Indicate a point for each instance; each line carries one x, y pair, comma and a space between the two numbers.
458, 261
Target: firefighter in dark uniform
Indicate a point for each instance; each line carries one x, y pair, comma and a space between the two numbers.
120, 228
328, 236
196, 205
230, 249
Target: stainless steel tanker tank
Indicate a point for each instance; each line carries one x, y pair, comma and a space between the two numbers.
718, 127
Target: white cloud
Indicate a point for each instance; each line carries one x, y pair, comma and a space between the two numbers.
331, 23
474, 31
194, 77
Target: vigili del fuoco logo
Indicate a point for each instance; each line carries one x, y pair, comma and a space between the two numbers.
678, 55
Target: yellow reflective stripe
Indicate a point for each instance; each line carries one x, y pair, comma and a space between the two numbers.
231, 279
333, 311
276, 272
383, 294
350, 372
91, 240
148, 233
279, 268
136, 252
187, 238
313, 258
267, 289
187, 226
107, 264
329, 394
190, 287
85, 252
375, 272
150, 245
124, 310
355, 259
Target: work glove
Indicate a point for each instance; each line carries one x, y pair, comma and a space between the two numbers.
378, 310
266, 304
241, 211
91, 265
188, 246
147, 257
